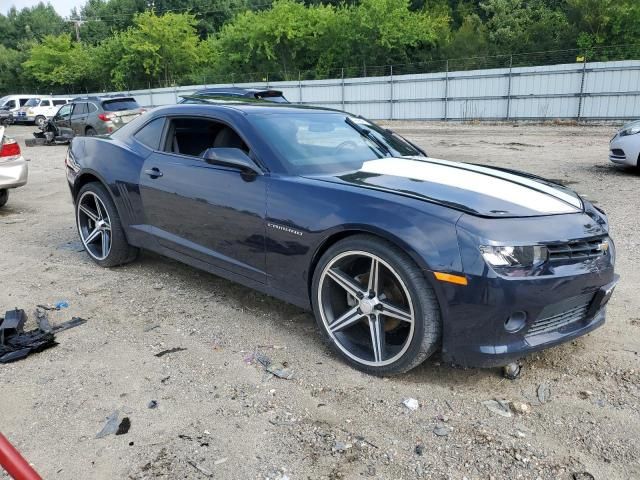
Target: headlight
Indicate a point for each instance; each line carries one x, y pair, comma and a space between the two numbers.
515, 257
630, 130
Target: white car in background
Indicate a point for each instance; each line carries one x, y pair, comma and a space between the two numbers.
39, 109
624, 148
13, 167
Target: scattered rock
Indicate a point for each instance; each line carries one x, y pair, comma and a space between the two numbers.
583, 476
152, 404
544, 393
419, 449
584, 394
171, 350
520, 408
280, 370
411, 403
341, 447
500, 407
442, 431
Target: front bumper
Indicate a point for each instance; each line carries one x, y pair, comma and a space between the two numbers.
573, 317
625, 150
497, 318
13, 173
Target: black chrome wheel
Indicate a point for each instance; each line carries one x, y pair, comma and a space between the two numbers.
100, 229
94, 225
375, 307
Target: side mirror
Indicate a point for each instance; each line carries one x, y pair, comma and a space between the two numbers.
231, 157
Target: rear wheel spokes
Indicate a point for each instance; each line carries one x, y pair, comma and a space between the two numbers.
94, 225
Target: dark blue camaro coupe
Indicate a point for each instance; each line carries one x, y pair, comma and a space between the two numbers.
398, 254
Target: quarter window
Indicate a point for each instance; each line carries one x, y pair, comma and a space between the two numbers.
151, 133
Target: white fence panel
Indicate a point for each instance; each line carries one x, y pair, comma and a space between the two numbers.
591, 91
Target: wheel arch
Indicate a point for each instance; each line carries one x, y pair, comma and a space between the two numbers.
350, 231
89, 176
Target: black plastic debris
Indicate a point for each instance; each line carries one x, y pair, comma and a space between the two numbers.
16, 344
171, 350
124, 426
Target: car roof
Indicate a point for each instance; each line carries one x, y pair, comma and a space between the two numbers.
237, 91
102, 98
246, 108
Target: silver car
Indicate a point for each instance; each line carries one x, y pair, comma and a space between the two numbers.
13, 167
624, 148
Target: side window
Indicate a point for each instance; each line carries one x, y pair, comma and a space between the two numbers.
193, 136
57, 103
65, 112
79, 109
11, 104
23, 101
151, 133
45, 103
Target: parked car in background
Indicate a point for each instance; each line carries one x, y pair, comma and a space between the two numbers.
38, 109
13, 167
13, 103
95, 115
397, 254
624, 148
6, 116
244, 94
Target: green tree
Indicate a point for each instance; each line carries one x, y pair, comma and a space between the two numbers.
29, 24
58, 61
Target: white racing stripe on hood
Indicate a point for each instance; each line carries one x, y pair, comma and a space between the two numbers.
576, 202
502, 189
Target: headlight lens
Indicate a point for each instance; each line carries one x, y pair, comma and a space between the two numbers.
630, 130
515, 257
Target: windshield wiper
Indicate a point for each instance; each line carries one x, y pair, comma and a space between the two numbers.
365, 132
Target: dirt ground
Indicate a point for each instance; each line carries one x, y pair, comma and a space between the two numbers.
218, 414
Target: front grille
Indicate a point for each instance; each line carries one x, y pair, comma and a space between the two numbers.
554, 317
578, 250
617, 152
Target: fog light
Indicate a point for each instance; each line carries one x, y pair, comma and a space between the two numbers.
515, 321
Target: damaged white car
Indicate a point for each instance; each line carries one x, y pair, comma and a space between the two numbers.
13, 167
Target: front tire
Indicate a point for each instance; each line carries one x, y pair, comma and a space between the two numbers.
4, 197
39, 121
374, 306
100, 229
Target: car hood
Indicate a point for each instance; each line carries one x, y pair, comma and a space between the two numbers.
475, 189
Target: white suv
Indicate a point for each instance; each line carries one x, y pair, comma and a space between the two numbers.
38, 109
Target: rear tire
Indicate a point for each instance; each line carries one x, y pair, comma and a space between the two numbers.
100, 229
383, 326
4, 197
39, 121
90, 132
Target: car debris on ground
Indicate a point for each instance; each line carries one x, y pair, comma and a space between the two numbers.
16, 344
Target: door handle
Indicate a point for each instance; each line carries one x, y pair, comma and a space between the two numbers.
153, 172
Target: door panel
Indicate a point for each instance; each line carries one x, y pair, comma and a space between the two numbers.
78, 118
211, 213
62, 120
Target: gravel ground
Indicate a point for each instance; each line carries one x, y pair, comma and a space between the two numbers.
219, 414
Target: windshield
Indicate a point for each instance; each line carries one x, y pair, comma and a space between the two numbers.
32, 102
120, 104
315, 143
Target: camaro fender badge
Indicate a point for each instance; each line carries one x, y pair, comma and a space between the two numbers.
284, 229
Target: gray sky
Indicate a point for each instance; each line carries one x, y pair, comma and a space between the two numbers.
63, 7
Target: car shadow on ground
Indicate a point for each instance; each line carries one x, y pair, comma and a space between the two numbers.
302, 325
